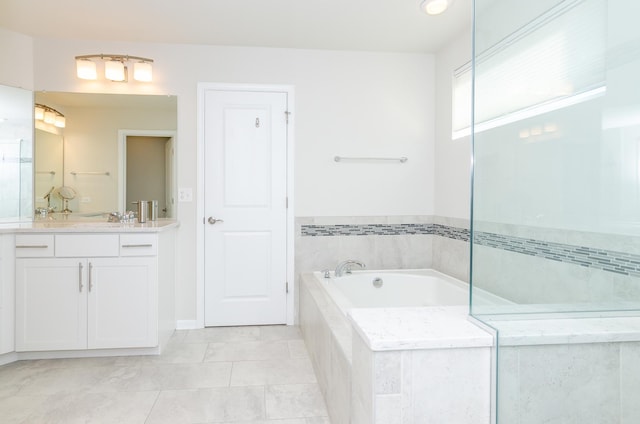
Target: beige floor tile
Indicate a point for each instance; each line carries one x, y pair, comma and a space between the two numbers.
258, 373
248, 351
52, 381
166, 377
280, 332
102, 408
21, 409
208, 405
295, 401
297, 349
268, 367
177, 353
291, 421
222, 335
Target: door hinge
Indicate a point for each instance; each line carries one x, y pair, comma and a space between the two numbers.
286, 115
286, 202
287, 287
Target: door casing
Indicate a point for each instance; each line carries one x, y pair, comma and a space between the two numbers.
203, 87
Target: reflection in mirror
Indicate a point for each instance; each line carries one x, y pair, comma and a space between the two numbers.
93, 156
48, 175
16, 154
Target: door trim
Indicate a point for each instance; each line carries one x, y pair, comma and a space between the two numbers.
122, 163
202, 88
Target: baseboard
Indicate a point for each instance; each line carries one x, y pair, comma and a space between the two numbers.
188, 324
8, 358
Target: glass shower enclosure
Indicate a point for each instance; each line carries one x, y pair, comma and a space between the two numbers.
555, 237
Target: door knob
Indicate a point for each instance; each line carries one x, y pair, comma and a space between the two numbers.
213, 220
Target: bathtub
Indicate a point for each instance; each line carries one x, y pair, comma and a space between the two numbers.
351, 370
394, 289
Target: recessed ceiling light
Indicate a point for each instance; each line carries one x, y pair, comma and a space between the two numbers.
435, 7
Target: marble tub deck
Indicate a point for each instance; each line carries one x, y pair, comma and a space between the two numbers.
248, 375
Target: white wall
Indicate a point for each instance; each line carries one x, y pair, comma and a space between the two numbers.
453, 164
347, 103
91, 144
16, 51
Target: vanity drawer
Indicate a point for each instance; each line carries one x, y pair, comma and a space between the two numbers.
87, 245
138, 245
34, 245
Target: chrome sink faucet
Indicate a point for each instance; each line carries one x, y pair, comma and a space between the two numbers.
345, 267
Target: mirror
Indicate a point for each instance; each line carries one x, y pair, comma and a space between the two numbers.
16, 154
114, 149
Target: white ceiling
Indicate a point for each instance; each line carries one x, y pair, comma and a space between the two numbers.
371, 25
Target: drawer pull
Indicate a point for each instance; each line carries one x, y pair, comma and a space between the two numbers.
137, 245
90, 279
36, 246
80, 276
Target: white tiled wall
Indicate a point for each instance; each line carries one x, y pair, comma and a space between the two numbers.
569, 383
430, 386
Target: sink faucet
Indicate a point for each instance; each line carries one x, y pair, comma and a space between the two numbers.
345, 267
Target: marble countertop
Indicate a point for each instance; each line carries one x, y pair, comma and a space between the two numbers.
418, 328
87, 226
567, 330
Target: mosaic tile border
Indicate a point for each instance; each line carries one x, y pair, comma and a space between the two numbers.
384, 230
607, 260
365, 230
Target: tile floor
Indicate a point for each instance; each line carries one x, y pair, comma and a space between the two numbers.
247, 375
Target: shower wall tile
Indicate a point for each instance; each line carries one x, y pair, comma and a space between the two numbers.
564, 384
362, 391
388, 409
466, 370
629, 383
500, 272
388, 373
451, 257
403, 251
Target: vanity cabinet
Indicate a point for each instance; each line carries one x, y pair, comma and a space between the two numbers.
7, 320
86, 291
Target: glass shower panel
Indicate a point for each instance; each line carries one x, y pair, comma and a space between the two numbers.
556, 206
16, 154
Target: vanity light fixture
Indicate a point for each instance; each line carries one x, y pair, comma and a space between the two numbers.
435, 7
115, 67
49, 115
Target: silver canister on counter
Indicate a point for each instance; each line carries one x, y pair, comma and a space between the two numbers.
153, 210
143, 210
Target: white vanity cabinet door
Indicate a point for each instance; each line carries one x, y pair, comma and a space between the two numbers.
122, 302
51, 304
7, 293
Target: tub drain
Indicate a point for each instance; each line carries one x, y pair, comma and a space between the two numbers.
377, 282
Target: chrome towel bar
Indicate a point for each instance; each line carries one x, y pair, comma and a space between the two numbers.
359, 159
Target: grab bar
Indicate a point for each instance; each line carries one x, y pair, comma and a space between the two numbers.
402, 159
74, 173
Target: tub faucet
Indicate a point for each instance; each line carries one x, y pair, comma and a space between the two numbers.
345, 267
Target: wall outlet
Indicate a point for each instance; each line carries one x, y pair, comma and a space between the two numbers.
185, 195
85, 200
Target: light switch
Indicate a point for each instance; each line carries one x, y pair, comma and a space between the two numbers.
185, 195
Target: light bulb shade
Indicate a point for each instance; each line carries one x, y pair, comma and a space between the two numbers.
435, 7
114, 70
86, 69
39, 113
49, 117
60, 121
142, 71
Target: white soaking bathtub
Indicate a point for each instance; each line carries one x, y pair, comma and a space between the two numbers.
394, 289
362, 330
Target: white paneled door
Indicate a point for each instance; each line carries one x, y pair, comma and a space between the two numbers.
245, 239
